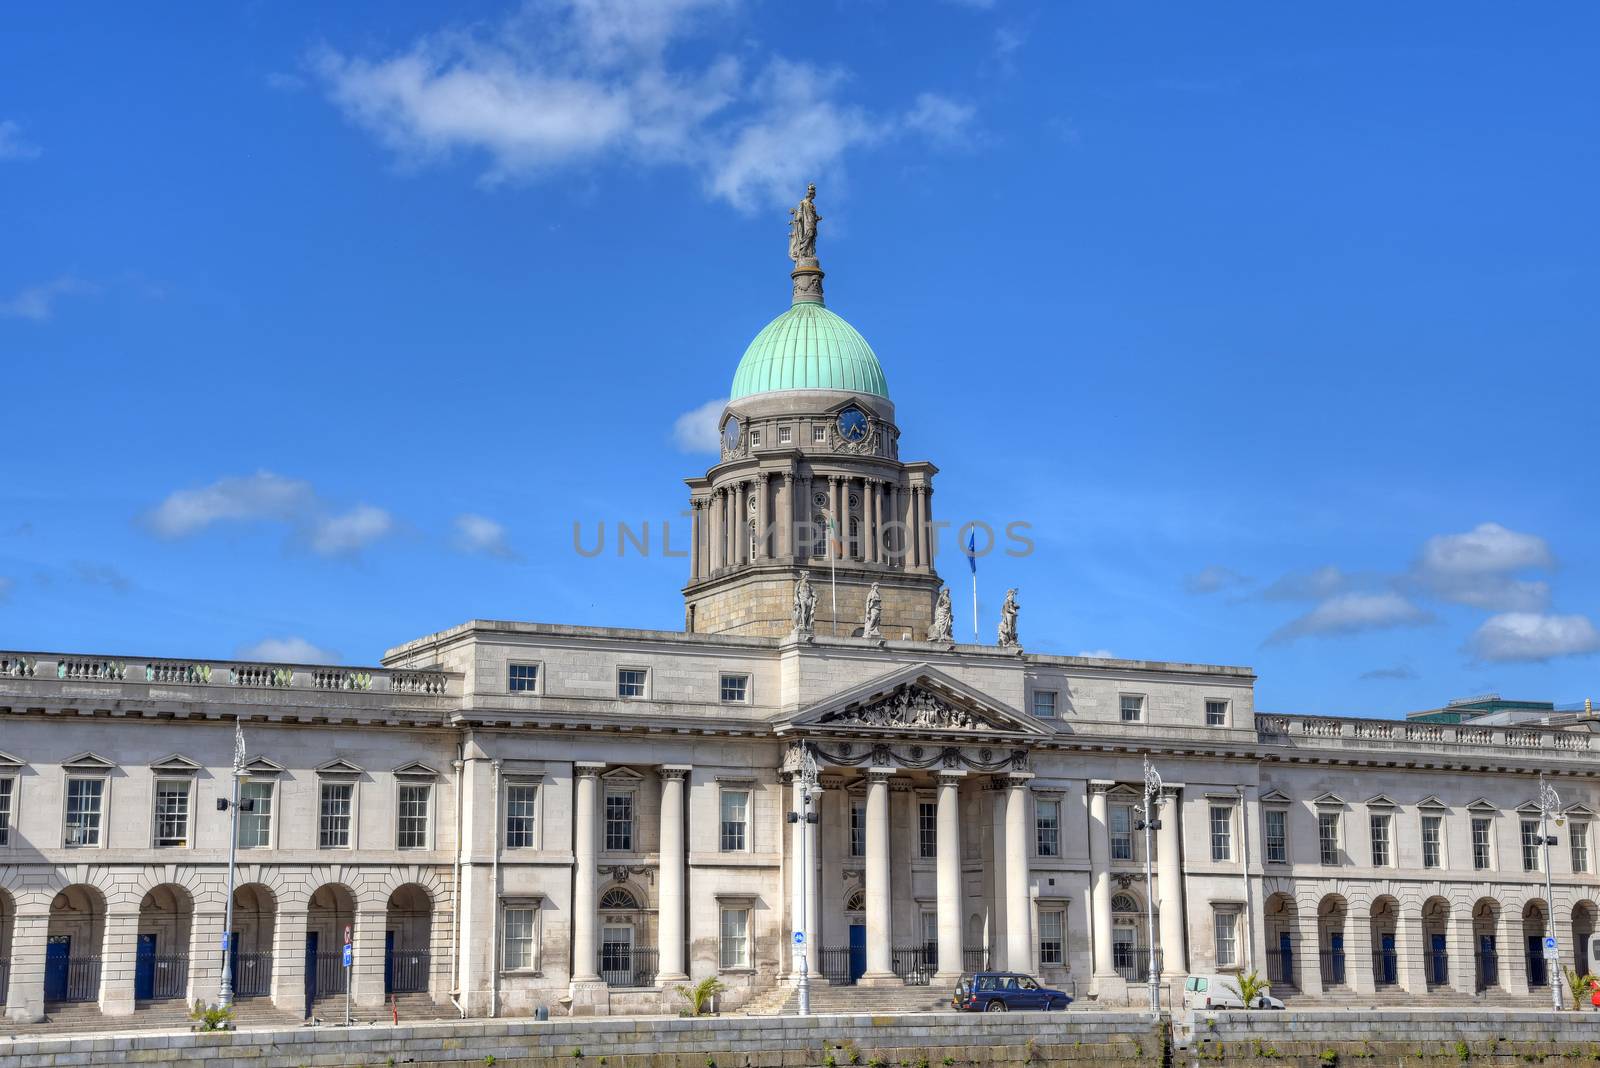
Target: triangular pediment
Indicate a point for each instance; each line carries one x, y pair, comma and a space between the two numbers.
623, 776
339, 767
1579, 810
1328, 800
917, 699
177, 764
1381, 801
416, 769
9, 761
1529, 808
1483, 804
1431, 802
1275, 797
88, 762
263, 766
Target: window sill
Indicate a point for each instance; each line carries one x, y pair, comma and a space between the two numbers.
741, 970
522, 973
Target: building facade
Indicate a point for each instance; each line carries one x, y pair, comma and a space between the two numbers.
507, 815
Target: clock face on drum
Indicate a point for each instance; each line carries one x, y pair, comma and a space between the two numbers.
852, 424
730, 433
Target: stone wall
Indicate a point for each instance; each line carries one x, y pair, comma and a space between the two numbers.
1355, 1039
948, 1040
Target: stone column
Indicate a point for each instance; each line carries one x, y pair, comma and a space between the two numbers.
669, 919
1358, 947
585, 881
928, 532
120, 948
802, 548
1100, 879
1509, 948
836, 500
25, 994
695, 570
714, 532
894, 539
786, 517
880, 962
1461, 944
1307, 947
948, 880
289, 957
741, 523
763, 518
1169, 881
1019, 902
920, 522
367, 951
874, 523
1411, 952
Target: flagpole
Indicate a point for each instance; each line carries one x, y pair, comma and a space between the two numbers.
974, 606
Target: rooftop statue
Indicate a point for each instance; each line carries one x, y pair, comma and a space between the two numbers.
943, 618
803, 219
872, 626
1008, 619
805, 606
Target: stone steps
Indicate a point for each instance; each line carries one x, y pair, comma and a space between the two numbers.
411, 1007
826, 999
173, 1015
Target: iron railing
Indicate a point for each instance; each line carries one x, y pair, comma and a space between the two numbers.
974, 960
406, 971
326, 974
1332, 967
627, 966
1280, 967
1131, 962
170, 976
5, 979
252, 975
833, 964
1438, 967
1385, 967
1488, 969
1538, 970
913, 965
72, 979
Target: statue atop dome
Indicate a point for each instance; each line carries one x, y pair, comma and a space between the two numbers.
803, 219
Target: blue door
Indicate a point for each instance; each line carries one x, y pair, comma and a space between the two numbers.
1536, 965
1336, 958
858, 950
1438, 959
388, 962
1286, 956
1389, 963
57, 952
144, 968
1488, 966
311, 970
233, 959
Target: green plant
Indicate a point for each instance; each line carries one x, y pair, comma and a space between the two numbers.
211, 1017
1579, 985
711, 1062
1463, 1052
1329, 1058
1250, 986
699, 996
948, 1061
577, 1053
830, 1061
489, 1060
922, 1061
855, 1056
877, 1061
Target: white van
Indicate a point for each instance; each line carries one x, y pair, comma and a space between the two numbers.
1221, 992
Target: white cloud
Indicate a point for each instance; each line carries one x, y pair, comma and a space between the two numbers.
1531, 636
1308, 585
1214, 578
38, 302
350, 532
565, 82
1479, 568
288, 650
268, 497
1351, 613
12, 145
480, 534
696, 430
1098, 654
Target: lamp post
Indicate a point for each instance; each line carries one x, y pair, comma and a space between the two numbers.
1152, 802
806, 774
1550, 810
225, 991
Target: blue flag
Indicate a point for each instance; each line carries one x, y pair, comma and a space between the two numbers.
972, 551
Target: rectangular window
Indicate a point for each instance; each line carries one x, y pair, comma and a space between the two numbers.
735, 688
735, 820
520, 945
1044, 704
413, 826
785, 435
818, 435
1047, 825
1121, 832
735, 938
1432, 827
172, 813
84, 798
630, 682
255, 814
1226, 927
927, 829
1482, 851
1216, 713
522, 800
858, 828
7, 791
523, 678
333, 824
619, 822
755, 437
1051, 923
1530, 845
1277, 821
1132, 708
1221, 832
1379, 823
1328, 837
1578, 835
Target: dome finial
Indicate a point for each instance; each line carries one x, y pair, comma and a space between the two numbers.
807, 276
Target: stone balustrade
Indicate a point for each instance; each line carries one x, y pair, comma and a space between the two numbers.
189, 673
1442, 737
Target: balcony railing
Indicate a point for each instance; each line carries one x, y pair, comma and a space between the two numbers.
252, 975
914, 964
628, 966
72, 979
406, 971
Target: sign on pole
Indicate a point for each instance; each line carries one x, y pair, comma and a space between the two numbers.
799, 938
1550, 952
347, 954
224, 941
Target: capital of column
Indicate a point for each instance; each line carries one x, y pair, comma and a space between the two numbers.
1017, 780
951, 776
762, 476
788, 479
1101, 786
883, 775
587, 769
674, 771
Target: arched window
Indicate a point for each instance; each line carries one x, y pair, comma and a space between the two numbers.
856, 902
1124, 903
618, 900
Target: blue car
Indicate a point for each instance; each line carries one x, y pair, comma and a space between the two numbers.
1004, 991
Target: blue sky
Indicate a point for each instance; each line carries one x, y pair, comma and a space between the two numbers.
321, 327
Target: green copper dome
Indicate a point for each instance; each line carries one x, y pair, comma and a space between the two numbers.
809, 347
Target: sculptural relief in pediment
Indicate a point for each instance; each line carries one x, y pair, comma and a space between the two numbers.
908, 706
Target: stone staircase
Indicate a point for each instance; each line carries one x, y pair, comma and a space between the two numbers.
82, 1017
827, 999
410, 1007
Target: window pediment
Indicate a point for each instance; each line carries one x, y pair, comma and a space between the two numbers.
261, 766
88, 762
1529, 808
1431, 802
625, 777
1328, 800
1381, 801
1579, 810
1483, 804
336, 768
7, 761
416, 769
1275, 797
176, 764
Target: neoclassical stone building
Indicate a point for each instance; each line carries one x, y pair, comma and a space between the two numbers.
505, 815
